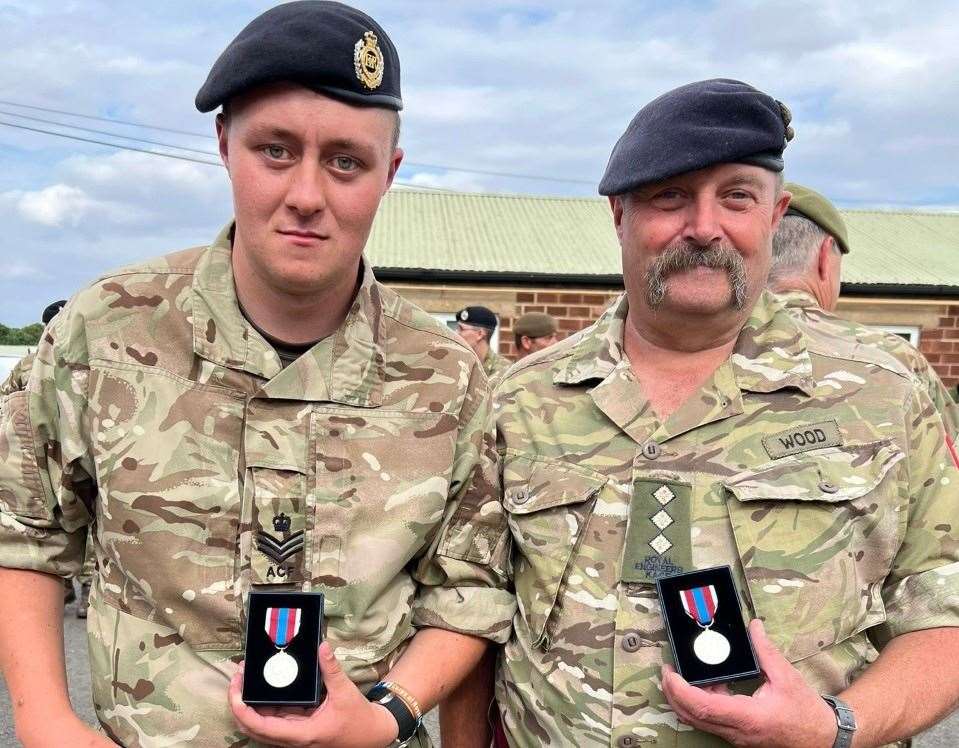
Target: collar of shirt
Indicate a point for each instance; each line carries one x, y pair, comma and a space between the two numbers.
347, 367
770, 354
797, 300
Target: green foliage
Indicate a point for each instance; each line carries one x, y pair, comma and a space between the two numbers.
29, 335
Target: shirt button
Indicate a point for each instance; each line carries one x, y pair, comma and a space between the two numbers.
651, 450
631, 643
826, 487
521, 498
627, 741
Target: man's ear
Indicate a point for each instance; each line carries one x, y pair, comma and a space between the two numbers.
779, 209
222, 140
618, 205
395, 161
824, 265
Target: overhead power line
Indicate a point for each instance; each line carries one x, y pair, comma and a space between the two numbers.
106, 132
418, 164
112, 145
179, 157
109, 119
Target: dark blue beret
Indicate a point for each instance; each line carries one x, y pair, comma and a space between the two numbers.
478, 316
328, 47
698, 125
52, 310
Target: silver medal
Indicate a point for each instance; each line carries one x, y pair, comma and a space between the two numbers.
281, 669
711, 647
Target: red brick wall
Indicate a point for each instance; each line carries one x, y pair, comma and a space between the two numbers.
572, 311
941, 346
576, 308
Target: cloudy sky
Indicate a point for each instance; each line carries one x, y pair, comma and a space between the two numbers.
531, 88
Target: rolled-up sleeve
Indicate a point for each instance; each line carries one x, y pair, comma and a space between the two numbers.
922, 589
462, 578
45, 491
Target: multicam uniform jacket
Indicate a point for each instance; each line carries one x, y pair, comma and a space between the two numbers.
17, 378
804, 307
818, 472
495, 366
158, 411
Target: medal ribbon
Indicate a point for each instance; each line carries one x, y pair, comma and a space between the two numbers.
700, 604
282, 624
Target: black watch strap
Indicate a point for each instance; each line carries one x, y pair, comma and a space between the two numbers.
845, 719
405, 719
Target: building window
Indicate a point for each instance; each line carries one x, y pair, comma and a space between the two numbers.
909, 333
449, 319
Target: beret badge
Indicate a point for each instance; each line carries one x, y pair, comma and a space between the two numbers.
368, 61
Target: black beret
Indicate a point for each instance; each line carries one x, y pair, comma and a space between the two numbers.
327, 47
478, 316
695, 126
53, 310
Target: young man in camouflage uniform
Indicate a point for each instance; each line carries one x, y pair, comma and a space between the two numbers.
808, 248
672, 436
265, 391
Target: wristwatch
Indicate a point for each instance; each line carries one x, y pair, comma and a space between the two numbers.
407, 719
845, 719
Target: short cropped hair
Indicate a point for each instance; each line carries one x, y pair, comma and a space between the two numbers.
795, 244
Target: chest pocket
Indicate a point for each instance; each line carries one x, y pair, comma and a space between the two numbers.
817, 535
549, 508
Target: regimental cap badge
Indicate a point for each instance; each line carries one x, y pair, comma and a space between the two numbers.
368, 61
787, 116
281, 522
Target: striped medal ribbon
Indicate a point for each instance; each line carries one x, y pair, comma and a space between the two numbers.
700, 604
281, 625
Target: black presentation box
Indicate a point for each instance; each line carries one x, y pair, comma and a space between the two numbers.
306, 688
683, 630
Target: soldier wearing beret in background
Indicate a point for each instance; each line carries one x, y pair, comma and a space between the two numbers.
265, 391
807, 263
533, 332
663, 439
476, 325
17, 378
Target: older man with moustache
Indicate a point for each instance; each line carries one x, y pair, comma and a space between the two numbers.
201, 409
658, 441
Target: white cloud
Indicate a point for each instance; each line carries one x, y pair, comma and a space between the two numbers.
541, 87
62, 205
447, 181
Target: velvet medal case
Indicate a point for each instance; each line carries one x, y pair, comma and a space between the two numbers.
704, 622
283, 633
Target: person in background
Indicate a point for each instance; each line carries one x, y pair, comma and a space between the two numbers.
808, 249
17, 378
533, 332
476, 325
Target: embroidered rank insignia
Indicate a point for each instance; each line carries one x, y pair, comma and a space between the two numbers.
278, 550
368, 61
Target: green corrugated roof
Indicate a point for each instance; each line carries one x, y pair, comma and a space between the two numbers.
507, 234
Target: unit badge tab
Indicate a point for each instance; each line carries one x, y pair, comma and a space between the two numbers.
368, 61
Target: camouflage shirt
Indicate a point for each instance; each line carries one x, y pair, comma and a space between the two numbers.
816, 471
804, 306
17, 378
156, 410
495, 365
